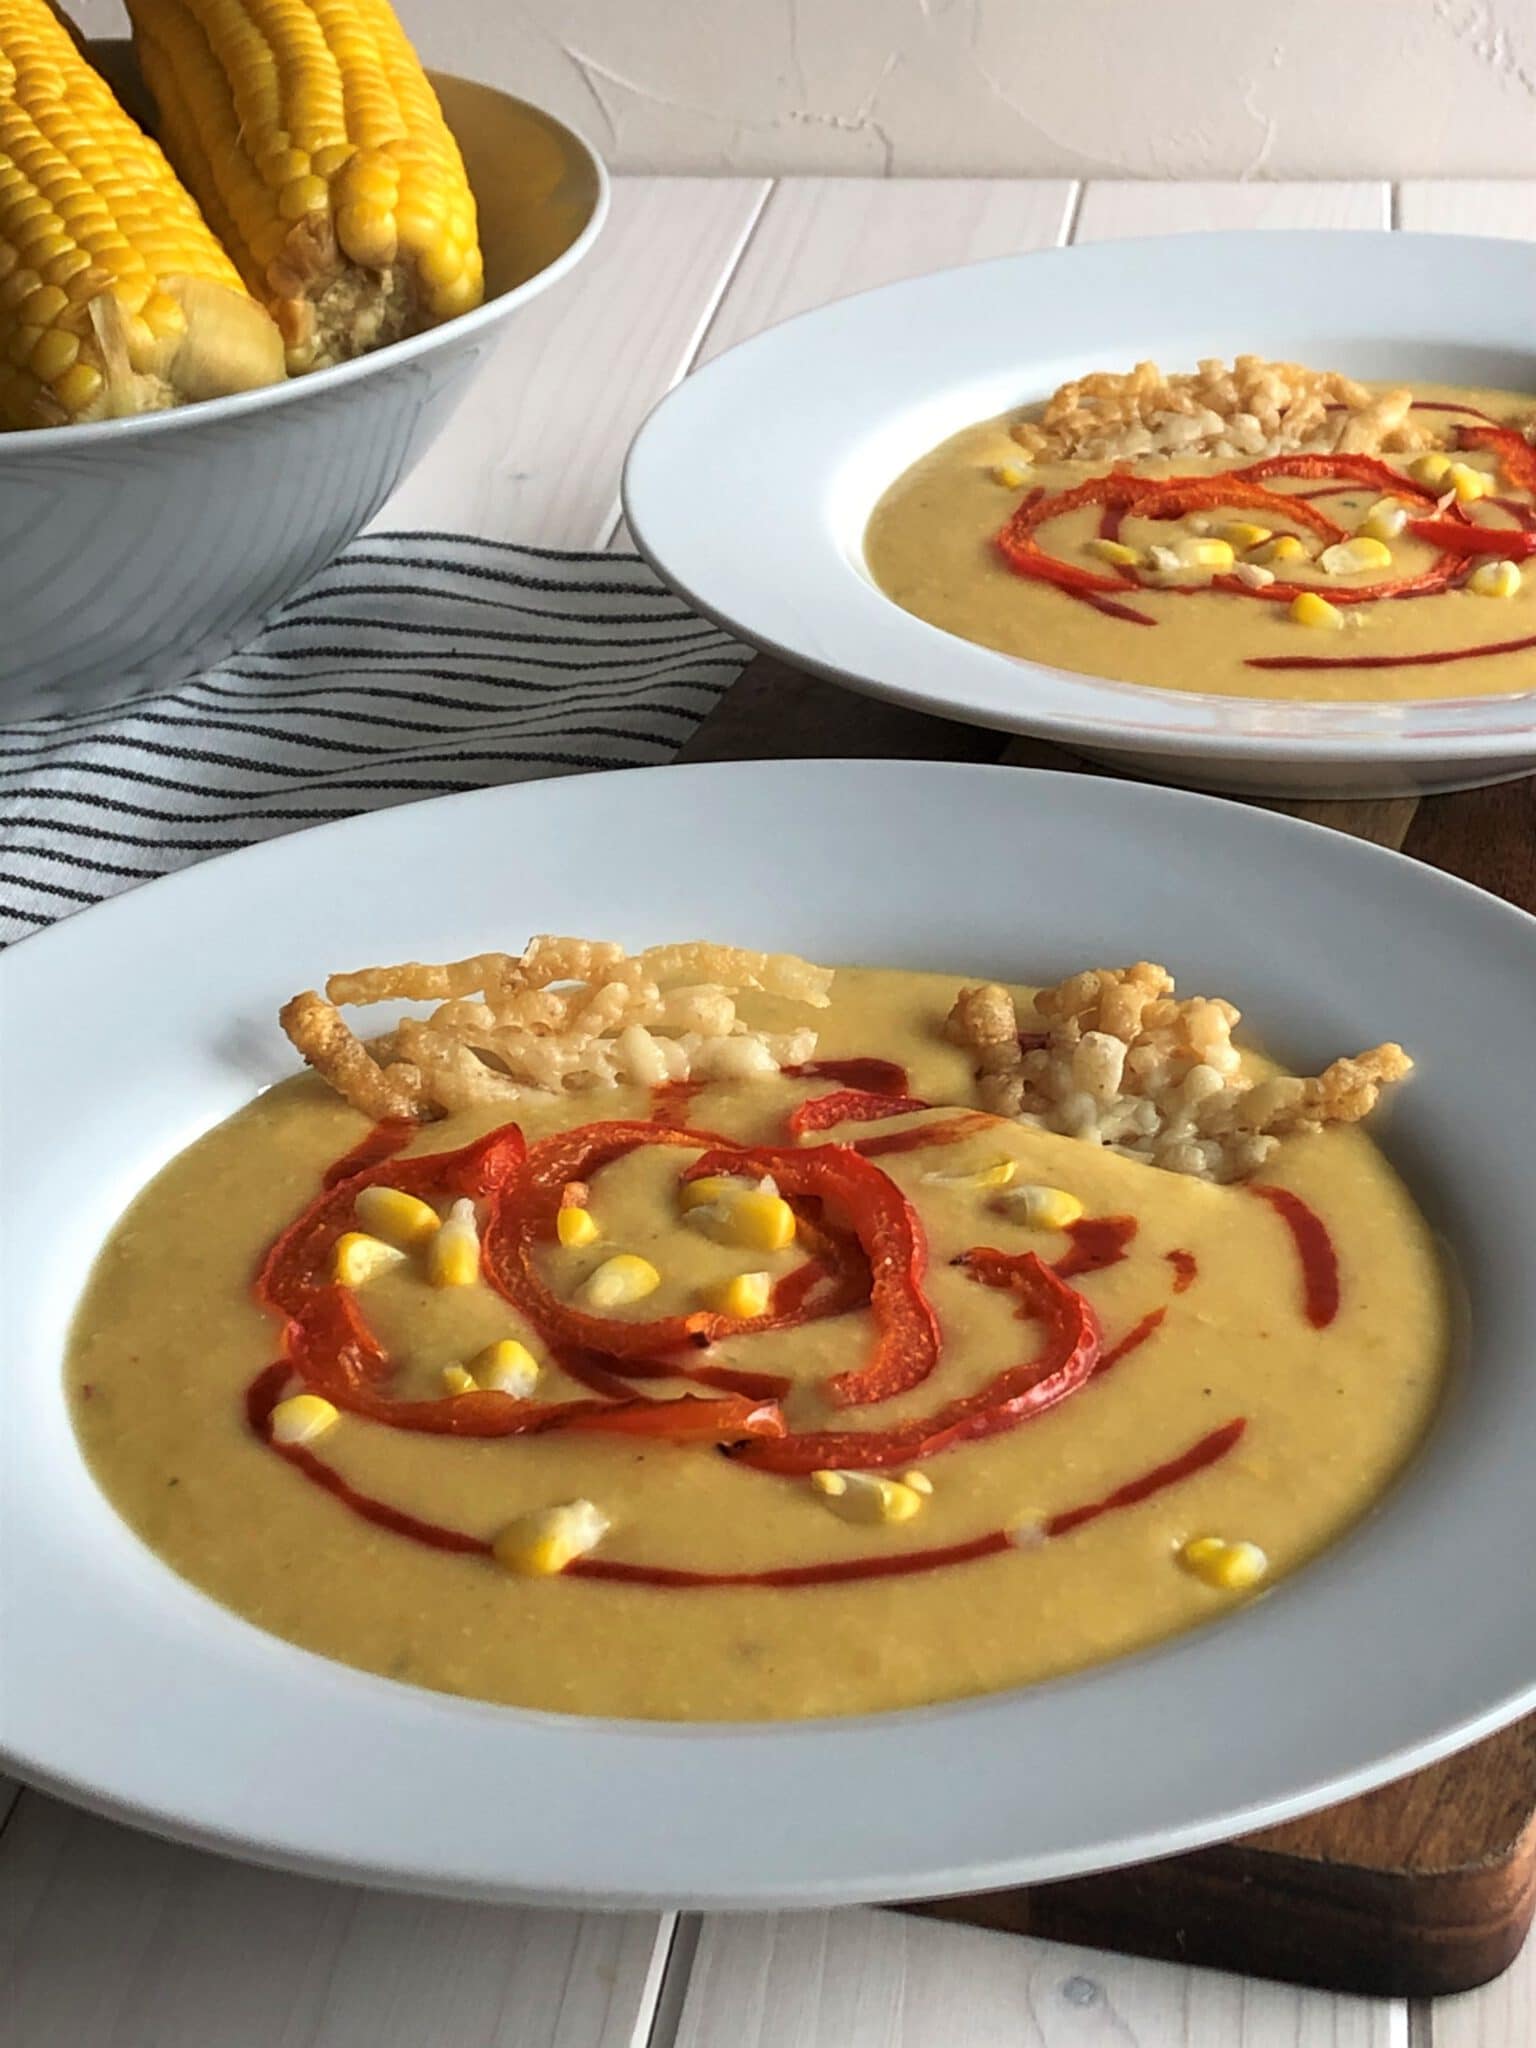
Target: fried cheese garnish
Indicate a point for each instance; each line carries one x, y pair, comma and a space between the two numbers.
1120, 1060
563, 1014
1255, 408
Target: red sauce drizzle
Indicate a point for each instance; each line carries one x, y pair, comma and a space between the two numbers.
1195, 1459
262, 1397
1393, 660
918, 1135
1314, 1247
870, 1076
1097, 1242
1136, 1336
381, 1143
1185, 1268
670, 1103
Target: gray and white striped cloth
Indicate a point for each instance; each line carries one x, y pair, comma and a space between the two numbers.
417, 664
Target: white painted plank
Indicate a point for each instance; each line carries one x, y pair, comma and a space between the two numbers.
886, 1980
822, 238
1469, 206
535, 451
1501, 2015
1114, 207
112, 1939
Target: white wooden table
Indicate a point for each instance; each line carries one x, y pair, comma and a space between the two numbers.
110, 1939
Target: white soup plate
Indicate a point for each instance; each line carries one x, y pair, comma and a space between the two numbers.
131, 1028
750, 486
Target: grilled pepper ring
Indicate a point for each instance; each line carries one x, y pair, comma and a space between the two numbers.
1064, 1363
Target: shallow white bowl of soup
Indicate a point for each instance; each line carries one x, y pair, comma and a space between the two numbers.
751, 487
137, 551
130, 1690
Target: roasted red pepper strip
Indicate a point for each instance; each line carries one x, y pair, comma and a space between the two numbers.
333, 1351
849, 1106
1457, 537
1358, 469
1517, 457
887, 1227
1066, 1360
525, 1221
1170, 497
299, 1262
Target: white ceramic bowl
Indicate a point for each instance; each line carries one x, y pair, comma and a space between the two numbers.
133, 552
820, 415
126, 1689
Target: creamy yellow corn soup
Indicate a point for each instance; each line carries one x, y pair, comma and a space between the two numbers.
932, 545
1238, 1419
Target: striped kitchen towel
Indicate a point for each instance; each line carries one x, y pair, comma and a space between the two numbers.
415, 665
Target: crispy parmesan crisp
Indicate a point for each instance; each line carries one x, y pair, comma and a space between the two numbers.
1253, 409
1119, 1060
563, 1014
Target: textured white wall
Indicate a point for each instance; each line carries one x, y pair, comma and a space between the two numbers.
1184, 89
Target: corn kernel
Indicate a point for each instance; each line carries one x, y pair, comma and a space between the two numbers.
457, 1381
695, 1194
1009, 475
997, 1175
1114, 551
1468, 483
453, 1256
1243, 534
575, 1227
1208, 554
301, 1418
1495, 579
743, 1297
620, 1280
395, 1216
1231, 1566
359, 1258
1351, 557
1254, 575
868, 1496
1430, 470
1385, 520
1308, 609
506, 1367
1041, 1208
918, 1481
1285, 547
750, 1217
546, 1540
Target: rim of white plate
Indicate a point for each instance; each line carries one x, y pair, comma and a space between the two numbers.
749, 485
129, 1691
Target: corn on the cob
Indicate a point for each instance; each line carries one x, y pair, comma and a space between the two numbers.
315, 145
115, 296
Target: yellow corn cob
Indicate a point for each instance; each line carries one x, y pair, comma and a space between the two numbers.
114, 295
311, 137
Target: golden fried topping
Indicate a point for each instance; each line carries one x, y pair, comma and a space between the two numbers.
1125, 1063
563, 1014
1255, 408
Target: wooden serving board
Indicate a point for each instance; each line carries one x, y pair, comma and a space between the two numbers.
1420, 1888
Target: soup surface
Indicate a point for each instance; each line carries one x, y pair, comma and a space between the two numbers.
1266, 1364
932, 546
